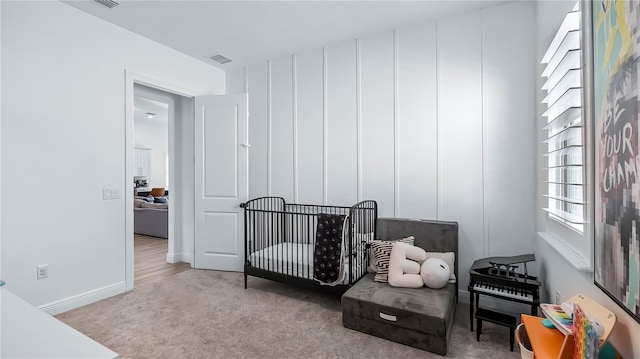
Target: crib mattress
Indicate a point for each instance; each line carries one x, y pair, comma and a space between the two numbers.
295, 259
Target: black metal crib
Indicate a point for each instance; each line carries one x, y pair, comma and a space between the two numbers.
280, 236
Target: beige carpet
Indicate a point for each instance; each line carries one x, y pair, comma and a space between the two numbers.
209, 314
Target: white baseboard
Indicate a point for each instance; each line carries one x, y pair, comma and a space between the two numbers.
187, 257
173, 257
179, 257
501, 305
82, 299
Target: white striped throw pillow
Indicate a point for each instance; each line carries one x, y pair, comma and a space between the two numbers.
381, 251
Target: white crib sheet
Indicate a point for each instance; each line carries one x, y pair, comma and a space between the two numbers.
294, 259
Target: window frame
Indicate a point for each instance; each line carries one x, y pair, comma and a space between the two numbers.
574, 245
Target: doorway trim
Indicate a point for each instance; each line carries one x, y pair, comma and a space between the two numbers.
130, 79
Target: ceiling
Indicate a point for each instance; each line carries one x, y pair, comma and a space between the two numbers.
142, 106
252, 31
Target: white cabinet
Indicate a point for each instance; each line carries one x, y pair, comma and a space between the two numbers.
143, 162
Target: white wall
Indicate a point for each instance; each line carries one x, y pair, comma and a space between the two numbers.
153, 135
557, 274
184, 186
0, 148
432, 121
63, 141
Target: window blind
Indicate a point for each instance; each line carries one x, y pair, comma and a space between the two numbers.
564, 126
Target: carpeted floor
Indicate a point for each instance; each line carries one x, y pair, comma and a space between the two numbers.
209, 314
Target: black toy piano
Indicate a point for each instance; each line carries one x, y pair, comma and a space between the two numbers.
506, 278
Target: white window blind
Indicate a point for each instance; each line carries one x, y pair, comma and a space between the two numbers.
564, 126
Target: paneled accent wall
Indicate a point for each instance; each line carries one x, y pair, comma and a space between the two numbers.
342, 116
509, 74
310, 120
433, 121
460, 135
417, 111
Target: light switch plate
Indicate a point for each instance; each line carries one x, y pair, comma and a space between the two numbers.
110, 193
43, 271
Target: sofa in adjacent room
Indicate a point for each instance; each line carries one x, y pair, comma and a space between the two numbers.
422, 317
151, 219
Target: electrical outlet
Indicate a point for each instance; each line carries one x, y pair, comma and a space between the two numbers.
43, 271
558, 300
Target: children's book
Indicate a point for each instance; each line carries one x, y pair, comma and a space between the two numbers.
586, 343
557, 315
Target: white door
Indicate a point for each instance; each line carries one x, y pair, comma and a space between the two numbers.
221, 162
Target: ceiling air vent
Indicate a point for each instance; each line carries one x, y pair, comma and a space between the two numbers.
220, 59
108, 3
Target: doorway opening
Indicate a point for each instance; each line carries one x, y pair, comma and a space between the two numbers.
208, 175
152, 194
155, 185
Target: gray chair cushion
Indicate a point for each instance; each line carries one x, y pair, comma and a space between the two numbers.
424, 310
